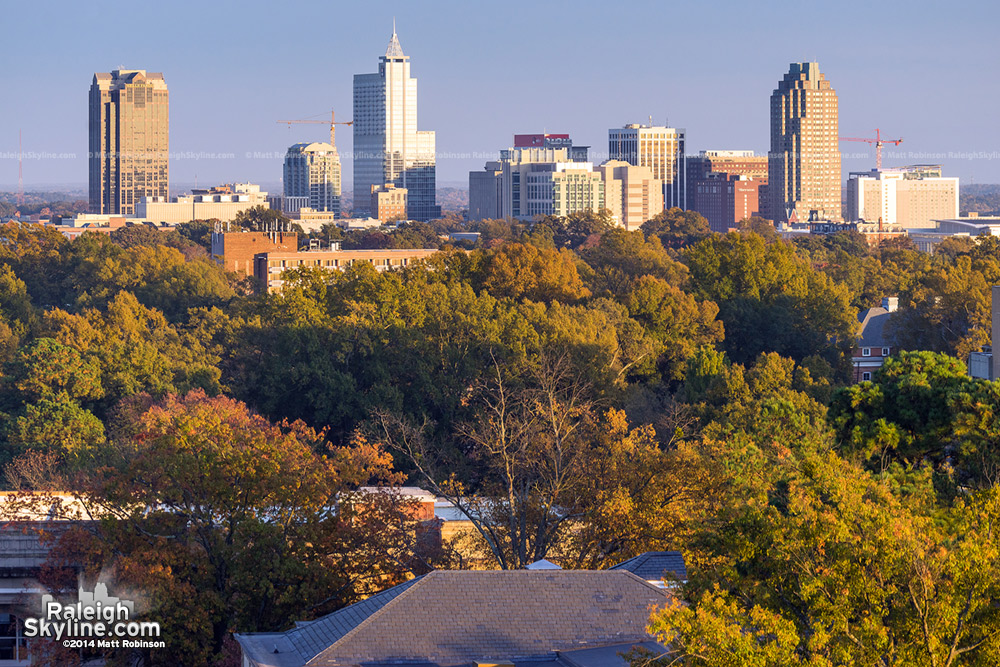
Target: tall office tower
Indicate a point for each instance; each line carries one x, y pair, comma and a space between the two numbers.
313, 171
659, 148
388, 149
128, 139
804, 164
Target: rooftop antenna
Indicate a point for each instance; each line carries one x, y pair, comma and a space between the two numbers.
651, 120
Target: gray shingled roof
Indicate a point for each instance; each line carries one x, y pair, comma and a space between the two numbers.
451, 617
653, 565
311, 638
872, 333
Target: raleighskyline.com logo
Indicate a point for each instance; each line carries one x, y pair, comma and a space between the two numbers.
96, 620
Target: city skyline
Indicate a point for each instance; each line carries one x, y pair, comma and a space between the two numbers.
907, 73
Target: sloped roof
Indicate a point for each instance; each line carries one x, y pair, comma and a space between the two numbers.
605, 656
311, 638
451, 617
653, 565
872, 332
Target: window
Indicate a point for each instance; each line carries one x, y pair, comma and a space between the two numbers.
866, 376
885, 352
12, 642
866, 352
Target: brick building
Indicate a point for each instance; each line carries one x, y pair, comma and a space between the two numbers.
268, 266
235, 250
726, 199
727, 187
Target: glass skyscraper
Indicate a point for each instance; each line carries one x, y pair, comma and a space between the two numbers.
388, 149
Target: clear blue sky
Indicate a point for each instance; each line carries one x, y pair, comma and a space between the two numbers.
926, 71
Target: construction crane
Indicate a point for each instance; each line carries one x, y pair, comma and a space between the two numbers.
878, 141
333, 123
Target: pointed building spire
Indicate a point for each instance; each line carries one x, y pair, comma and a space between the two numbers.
394, 50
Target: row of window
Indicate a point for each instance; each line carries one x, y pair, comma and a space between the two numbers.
867, 352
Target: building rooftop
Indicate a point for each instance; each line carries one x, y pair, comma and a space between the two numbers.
655, 565
451, 618
872, 332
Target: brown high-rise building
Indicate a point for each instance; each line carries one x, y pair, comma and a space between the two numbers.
128, 139
804, 164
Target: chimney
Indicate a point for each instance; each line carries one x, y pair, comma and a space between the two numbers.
890, 303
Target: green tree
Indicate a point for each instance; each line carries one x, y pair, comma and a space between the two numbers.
675, 319
415, 235
948, 308
770, 299
56, 425
622, 257
260, 219
833, 566
760, 226
676, 228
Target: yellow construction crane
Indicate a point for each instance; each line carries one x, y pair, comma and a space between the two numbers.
332, 123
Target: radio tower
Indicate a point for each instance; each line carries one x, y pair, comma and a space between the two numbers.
20, 172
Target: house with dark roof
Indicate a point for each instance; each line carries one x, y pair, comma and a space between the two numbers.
452, 618
874, 344
656, 567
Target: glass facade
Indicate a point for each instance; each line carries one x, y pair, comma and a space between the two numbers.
313, 171
388, 147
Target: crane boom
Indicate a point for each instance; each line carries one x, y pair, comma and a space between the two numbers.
878, 141
333, 123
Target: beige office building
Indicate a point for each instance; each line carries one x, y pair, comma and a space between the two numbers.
804, 164
562, 188
631, 193
659, 148
912, 196
223, 202
388, 203
129, 140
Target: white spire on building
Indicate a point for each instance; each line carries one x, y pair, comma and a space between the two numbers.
394, 50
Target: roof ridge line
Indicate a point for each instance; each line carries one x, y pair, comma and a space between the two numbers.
417, 581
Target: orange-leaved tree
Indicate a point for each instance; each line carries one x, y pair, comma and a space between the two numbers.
219, 520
